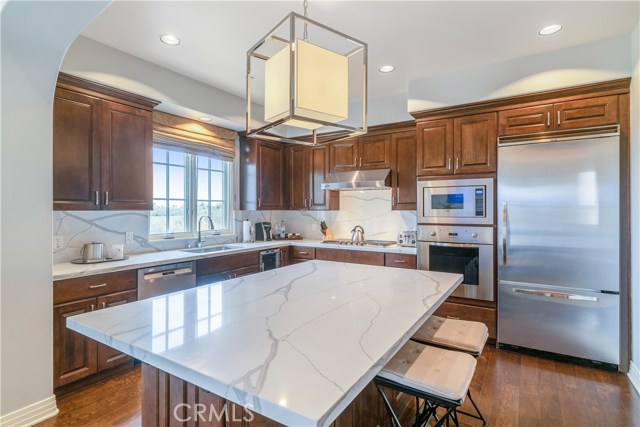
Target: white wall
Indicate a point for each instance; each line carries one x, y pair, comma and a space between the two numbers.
589, 63
100, 63
635, 198
35, 36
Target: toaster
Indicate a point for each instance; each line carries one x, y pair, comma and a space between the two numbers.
407, 238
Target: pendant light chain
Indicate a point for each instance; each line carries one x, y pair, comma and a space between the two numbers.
305, 34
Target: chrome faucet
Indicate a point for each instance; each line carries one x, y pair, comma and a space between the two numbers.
201, 239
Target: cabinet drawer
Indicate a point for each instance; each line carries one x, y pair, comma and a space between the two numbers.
93, 286
400, 261
227, 275
304, 253
352, 256
469, 312
221, 264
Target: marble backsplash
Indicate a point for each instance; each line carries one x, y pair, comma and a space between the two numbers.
371, 209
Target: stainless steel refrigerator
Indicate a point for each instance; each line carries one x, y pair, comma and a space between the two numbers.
558, 246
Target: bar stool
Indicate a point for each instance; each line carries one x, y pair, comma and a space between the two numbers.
454, 334
440, 377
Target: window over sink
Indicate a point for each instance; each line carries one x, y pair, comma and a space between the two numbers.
187, 186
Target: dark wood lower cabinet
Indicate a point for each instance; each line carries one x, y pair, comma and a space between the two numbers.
74, 355
169, 401
346, 255
108, 357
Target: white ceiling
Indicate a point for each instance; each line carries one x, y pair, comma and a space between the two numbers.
421, 38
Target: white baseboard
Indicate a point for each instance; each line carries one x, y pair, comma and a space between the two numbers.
634, 376
32, 414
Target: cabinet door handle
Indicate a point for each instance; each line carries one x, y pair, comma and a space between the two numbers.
449, 164
453, 317
97, 198
360, 161
106, 198
558, 118
393, 200
259, 202
101, 285
303, 253
92, 307
457, 163
400, 261
548, 119
104, 304
305, 202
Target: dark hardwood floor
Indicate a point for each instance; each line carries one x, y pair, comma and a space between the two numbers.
510, 389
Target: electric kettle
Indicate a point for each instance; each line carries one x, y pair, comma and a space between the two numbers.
93, 251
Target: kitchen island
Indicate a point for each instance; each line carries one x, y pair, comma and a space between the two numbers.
295, 345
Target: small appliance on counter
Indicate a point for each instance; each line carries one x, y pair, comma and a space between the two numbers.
93, 251
407, 238
263, 231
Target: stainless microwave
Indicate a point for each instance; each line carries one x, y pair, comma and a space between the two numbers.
455, 201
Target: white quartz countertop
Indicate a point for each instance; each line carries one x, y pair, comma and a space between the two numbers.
297, 343
67, 270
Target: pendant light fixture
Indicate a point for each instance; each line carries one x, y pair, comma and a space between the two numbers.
306, 83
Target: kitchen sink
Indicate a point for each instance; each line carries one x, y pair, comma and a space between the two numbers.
210, 249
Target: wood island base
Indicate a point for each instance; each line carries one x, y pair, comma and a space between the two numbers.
168, 401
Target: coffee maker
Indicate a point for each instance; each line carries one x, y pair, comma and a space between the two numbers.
263, 231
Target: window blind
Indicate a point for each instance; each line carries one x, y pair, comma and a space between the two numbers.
193, 137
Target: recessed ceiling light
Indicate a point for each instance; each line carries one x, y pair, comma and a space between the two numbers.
205, 119
386, 68
550, 29
169, 39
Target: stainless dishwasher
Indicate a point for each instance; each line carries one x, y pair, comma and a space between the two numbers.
164, 279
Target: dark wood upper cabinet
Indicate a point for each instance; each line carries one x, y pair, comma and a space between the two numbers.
298, 172
403, 170
367, 152
262, 175
525, 120
127, 157
462, 145
319, 169
434, 152
475, 141
374, 152
584, 113
102, 147
76, 153
344, 155
575, 114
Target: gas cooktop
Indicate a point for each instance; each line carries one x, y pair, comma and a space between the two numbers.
372, 243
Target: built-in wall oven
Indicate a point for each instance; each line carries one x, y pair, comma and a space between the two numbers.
466, 250
456, 233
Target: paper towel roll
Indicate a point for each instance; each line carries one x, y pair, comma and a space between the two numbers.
247, 232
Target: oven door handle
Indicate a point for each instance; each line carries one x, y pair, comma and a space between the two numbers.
454, 245
504, 234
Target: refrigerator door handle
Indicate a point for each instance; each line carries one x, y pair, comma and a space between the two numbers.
552, 294
504, 234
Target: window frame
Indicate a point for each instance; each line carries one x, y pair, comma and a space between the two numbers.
191, 195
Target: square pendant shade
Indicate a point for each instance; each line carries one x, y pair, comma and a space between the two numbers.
306, 85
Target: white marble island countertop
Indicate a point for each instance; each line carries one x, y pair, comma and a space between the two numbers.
297, 343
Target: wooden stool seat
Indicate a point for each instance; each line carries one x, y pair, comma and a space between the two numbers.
463, 335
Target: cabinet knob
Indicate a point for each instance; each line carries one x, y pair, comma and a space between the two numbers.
432, 234
474, 234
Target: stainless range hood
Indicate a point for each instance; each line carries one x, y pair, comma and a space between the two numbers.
373, 179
